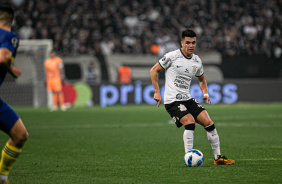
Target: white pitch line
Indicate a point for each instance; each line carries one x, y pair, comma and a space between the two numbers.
144, 125
255, 159
240, 124
246, 117
88, 126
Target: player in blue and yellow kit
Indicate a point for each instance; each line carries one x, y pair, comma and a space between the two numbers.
10, 122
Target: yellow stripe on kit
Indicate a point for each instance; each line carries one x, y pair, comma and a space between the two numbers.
12, 151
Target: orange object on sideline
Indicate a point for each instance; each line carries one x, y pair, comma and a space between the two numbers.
155, 48
125, 75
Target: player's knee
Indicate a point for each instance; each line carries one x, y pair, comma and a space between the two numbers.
210, 122
186, 120
20, 139
25, 136
207, 123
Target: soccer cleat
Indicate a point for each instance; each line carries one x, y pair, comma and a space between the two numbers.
222, 160
63, 108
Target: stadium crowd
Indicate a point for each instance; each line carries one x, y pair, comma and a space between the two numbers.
233, 27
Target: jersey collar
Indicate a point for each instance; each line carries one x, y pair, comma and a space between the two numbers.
185, 56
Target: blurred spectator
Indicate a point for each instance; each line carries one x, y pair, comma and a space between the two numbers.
92, 73
17, 3
277, 51
107, 46
131, 20
232, 27
25, 32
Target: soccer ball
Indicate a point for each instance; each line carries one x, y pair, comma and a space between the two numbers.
194, 158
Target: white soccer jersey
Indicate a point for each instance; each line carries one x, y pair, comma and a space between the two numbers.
178, 75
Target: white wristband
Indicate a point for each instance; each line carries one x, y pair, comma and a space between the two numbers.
206, 95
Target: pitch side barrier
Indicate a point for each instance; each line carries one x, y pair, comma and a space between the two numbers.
228, 92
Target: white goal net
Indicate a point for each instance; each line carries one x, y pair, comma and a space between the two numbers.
29, 89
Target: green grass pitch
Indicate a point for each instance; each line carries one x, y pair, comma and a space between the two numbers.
140, 145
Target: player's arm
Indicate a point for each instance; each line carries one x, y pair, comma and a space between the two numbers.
62, 71
154, 77
6, 62
204, 87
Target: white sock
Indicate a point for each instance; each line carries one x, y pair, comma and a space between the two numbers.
188, 138
214, 141
3, 178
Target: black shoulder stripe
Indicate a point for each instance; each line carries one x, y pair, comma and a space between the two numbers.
200, 75
161, 65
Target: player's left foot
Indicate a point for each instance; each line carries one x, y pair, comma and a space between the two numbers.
53, 109
222, 160
63, 108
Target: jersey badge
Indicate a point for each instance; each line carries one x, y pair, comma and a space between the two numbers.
194, 69
14, 42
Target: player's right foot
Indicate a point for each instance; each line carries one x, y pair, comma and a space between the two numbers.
222, 160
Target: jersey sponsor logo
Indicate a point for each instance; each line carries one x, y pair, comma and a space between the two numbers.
182, 82
178, 66
186, 70
182, 96
179, 96
182, 107
14, 42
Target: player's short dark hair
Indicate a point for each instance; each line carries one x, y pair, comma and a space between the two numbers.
188, 33
6, 13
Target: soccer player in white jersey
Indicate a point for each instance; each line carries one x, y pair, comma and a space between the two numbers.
180, 65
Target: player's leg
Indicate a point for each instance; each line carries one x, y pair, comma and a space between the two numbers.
12, 149
18, 135
55, 100
204, 119
181, 116
188, 136
53, 86
11, 124
60, 96
62, 101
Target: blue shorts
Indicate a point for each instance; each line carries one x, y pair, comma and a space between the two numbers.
8, 117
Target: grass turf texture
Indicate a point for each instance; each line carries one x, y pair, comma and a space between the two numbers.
139, 144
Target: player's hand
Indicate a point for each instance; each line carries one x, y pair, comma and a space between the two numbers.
157, 97
207, 99
15, 71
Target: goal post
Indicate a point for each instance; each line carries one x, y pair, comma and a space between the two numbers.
30, 88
